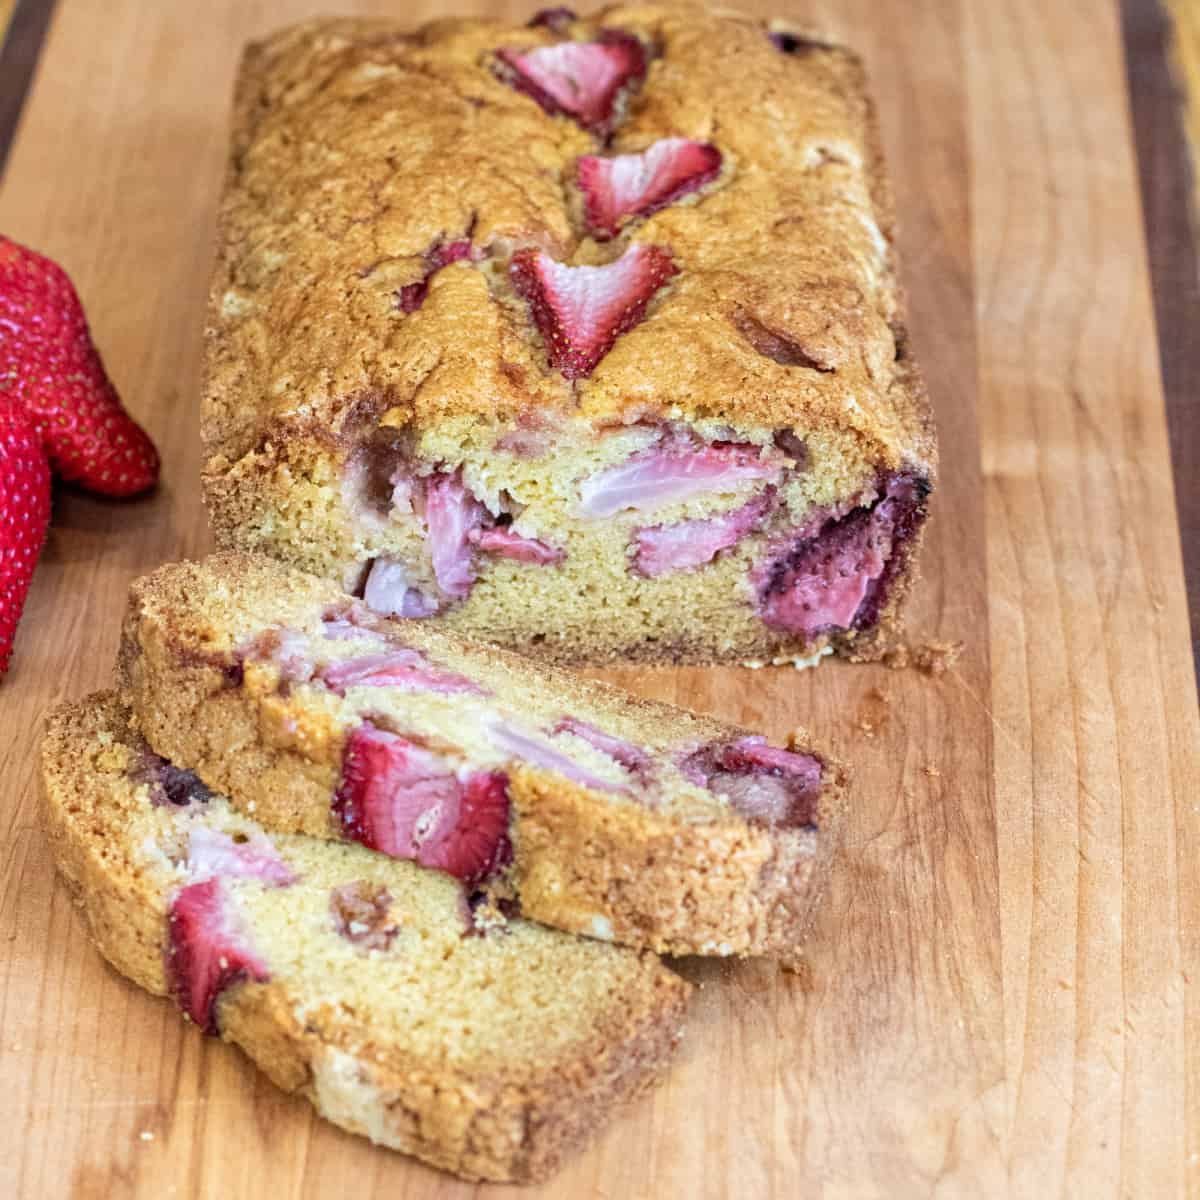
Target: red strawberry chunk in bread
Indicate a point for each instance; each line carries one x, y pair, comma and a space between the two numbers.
451, 514
581, 311
836, 578
213, 854
674, 469
764, 783
582, 80
636, 185
503, 541
207, 951
401, 799
410, 297
662, 549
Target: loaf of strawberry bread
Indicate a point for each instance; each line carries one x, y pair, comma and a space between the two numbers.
596, 812
583, 335
485, 1045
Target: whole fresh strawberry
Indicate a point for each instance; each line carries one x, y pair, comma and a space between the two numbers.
49, 365
24, 514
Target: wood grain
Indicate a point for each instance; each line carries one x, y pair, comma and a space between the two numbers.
1093, 696
22, 27
998, 998
1160, 98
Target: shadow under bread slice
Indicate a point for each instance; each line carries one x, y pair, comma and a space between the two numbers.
600, 813
488, 1048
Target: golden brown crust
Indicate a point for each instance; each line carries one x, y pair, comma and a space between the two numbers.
625, 872
474, 1123
678, 889
333, 197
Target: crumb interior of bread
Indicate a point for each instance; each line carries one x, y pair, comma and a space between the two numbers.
513, 696
595, 595
516, 996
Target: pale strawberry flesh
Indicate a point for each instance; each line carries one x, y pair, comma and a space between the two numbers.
582, 80
632, 758
451, 514
402, 800
581, 311
838, 577
536, 752
289, 649
764, 783
348, 620
673, 470
390, 591
503, 541
213, 854
636, 185
662, 549
207, 951
401, 668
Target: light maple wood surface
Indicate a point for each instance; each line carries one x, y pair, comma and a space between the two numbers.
1001, 997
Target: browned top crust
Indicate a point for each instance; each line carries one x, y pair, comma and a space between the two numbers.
358, 147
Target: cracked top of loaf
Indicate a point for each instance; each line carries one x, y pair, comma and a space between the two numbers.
359, 149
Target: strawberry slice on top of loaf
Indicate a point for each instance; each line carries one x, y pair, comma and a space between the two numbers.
590, 344
594, 811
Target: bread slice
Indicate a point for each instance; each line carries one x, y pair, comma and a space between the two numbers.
585, 335
604, 814
491, 1050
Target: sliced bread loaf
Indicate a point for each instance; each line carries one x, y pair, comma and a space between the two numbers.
604, 814
487, 1046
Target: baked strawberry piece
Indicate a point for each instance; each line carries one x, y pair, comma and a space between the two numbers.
410, 803
395, 999
583, 80
618, 373
581, 311
637, 185
597, 813
208, 951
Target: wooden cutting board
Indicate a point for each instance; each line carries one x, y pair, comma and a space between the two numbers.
1002, 994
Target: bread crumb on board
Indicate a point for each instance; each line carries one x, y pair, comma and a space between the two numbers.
930, 658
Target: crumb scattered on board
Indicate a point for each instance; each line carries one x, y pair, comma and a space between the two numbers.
930, 658
873, 713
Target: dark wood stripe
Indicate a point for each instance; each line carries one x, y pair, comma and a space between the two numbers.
1166, 171
18, 60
